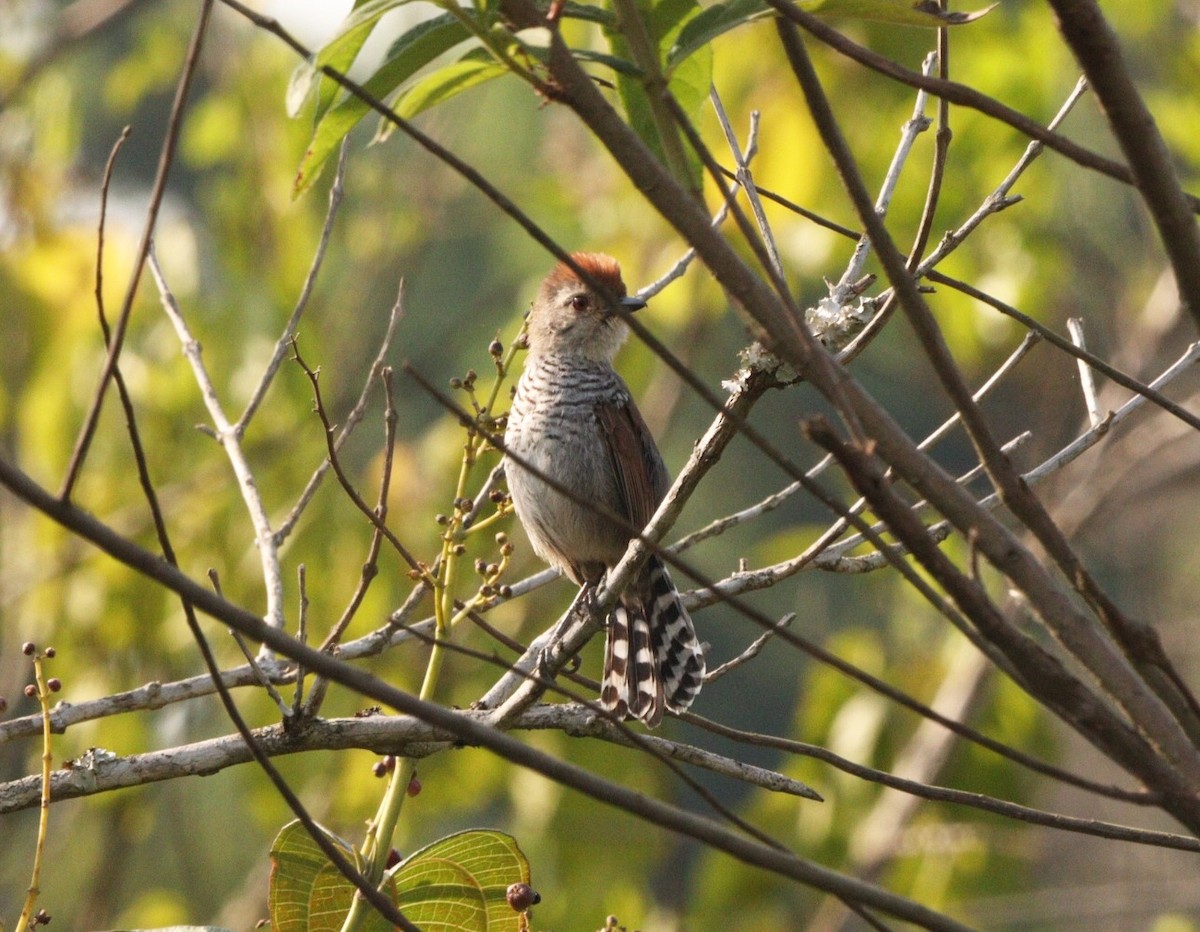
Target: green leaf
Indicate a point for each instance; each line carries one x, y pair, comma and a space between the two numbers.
716, 20
901, 12
339, 54
461, 882
330, 900
408, 54
589, 13
470, 70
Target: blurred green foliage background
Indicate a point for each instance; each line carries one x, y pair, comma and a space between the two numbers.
235, 246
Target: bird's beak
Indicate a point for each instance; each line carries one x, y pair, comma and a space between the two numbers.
632, 303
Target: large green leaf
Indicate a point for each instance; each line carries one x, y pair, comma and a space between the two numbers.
301, 893
410, 53
461, 882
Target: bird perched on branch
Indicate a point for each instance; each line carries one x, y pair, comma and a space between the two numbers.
574, 422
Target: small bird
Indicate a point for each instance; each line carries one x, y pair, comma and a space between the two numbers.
573, 420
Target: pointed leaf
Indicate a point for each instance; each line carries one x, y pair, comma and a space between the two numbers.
712, 22
589, 13
901, 12
470, 70
339, 53
408, 54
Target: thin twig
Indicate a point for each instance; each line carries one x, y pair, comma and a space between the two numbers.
913, 127
746, 179
750, 652
117, 340
283, 344
352, 419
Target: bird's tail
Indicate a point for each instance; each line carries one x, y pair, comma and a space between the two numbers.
653, 660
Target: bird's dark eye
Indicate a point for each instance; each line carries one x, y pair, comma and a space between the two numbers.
579, 302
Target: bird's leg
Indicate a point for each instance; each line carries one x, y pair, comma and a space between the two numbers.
585, 602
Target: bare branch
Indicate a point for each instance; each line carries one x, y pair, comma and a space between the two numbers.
229, 436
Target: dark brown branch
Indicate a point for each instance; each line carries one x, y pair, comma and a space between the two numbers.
1095, 45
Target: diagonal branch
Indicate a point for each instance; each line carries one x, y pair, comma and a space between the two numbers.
1095, 45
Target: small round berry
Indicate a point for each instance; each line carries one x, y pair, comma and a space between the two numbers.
501, 538
379, 768
414, 786
505, 592
54, 684
496, 348
50, 652
521, 896
31, 691
29, 648
393, 858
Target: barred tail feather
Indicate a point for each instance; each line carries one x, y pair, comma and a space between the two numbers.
653, 660
678, 651
632, 685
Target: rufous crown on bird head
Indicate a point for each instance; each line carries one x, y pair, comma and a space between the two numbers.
571, 317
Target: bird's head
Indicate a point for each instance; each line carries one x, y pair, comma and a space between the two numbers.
572, 317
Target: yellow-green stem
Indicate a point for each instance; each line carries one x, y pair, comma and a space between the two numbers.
31, 895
